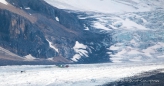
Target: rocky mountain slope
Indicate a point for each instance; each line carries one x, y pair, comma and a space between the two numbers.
36, 29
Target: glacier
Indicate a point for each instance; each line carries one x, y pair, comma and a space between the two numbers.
136, 26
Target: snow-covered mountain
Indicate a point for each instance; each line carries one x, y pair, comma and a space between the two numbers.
128, 33
83, 31
136, 26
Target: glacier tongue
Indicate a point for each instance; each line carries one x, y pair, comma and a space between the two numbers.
136, 26
136, 36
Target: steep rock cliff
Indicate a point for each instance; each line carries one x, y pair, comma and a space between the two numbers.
20, 36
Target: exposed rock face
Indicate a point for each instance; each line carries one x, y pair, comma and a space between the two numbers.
21, 35
40, 7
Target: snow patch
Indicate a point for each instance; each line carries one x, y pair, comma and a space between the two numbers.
86, 28
52, 46
4, 2
57, 19
51, 59
76, 57
30, 57
80, 50
79, 46
100, 26
27, 8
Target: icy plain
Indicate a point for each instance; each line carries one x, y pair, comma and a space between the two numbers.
75, 75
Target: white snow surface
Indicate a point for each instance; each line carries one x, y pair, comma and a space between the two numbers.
80, 50
76, 57
51, 59
107, 6
52, 46
29, 57
57, 19
86, 28
3, 2
153, 49
100, 26
79, 45
75, 75
27, 8
128, 24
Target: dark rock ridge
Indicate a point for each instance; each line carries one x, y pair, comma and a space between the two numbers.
20, 36
23, 37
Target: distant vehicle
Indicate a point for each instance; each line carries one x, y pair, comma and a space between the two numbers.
63, 65
66, 66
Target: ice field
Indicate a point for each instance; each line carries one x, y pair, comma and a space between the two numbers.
75, 75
